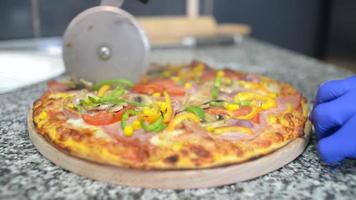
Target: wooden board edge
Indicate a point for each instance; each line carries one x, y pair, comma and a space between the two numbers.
171, 179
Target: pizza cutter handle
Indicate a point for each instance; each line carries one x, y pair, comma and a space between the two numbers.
117, 3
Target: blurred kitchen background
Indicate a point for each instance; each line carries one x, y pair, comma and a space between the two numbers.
324, 29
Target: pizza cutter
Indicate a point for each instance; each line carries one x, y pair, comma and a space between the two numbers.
105, 42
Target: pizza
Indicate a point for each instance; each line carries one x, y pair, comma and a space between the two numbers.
176, 117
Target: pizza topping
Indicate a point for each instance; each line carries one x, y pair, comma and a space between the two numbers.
116, 93
116, 108
188, 85
231, 106
220, 117
138, 99
115, 132
241, 113
114, 82
217, 111
159, 86
109, 100
105, 107
196, 110
167, 108
156, 126
217, 103
244, 103
128, 130
182, 117
103, 89
192, 72
150, 113
101, 118
217, 84
194, 129
243, 123
157, 103
262, 101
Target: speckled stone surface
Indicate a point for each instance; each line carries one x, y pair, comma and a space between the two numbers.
25, 174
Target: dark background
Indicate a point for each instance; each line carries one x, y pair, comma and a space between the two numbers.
324, 29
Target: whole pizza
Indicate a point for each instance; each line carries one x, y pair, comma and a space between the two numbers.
177, 117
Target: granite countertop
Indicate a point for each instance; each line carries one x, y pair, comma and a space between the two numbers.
26, 174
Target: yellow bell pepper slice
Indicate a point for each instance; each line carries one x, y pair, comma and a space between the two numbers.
151, 114
255, 110
267, 102
226, 129
182, 117
103, 89
169, 111
231, 106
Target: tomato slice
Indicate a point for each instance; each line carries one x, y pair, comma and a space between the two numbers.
243, 110
148, 88
102, 118
159, 85
256, 119
217, 111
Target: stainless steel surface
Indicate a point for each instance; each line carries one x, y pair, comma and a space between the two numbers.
104, 53
105, 42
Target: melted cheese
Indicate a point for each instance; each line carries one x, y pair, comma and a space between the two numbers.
42, 118
164, 140
99, 133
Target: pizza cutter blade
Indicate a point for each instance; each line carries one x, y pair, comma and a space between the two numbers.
105, 42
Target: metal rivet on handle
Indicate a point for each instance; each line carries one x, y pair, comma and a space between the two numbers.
104, 53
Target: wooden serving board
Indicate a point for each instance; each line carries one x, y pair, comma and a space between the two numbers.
173, 179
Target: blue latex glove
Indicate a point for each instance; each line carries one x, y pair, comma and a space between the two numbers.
334, 119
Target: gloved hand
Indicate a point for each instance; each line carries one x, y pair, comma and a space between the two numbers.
334, 119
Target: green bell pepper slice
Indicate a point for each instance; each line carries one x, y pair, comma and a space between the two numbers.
196, 110
123, 82
156, 126
125, 117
